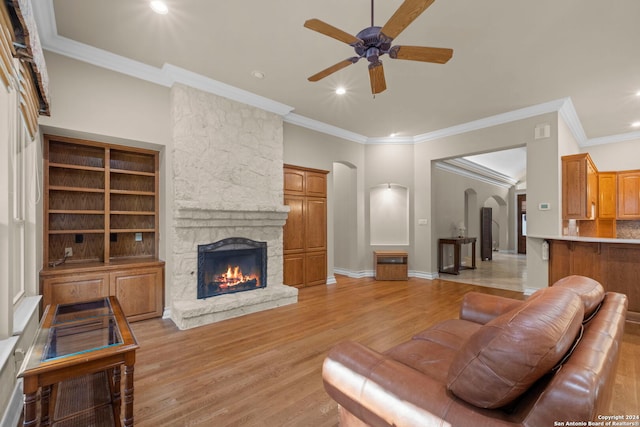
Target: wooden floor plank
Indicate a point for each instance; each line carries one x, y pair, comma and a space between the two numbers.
264, 369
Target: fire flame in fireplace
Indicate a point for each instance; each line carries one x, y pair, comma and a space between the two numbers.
234, 277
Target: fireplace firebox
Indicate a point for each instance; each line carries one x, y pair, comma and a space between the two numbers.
231, 265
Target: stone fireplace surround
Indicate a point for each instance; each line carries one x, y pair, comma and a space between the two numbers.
227, 161
202, 225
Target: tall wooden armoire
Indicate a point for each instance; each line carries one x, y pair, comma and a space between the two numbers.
486, 234
305, 232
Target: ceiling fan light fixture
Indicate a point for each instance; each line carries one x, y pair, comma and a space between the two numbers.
159, 7
341, 91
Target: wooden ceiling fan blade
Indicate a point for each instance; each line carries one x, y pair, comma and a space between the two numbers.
376, 76
439, 55
331, 31
405, 15
336, 67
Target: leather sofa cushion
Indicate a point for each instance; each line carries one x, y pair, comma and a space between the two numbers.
590, 291
432, 350
507, 355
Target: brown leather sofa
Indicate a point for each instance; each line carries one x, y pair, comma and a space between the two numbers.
551, 358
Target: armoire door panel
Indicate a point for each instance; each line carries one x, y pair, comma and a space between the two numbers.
294, 228
316, 224
316, 268
294, 181
316, 184
294, 270
305, 232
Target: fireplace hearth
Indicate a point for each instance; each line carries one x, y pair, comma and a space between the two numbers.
231, 265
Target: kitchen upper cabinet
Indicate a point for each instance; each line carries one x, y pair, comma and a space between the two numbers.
579, 187
607, 189
629, 195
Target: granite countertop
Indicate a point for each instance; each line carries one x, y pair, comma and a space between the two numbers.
586, 239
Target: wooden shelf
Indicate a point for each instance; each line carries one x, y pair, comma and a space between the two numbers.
132, 230
77, 167
130, 172
76, 189
93, 188
78, 231
77, 211
98, 200
149, 213
133, 192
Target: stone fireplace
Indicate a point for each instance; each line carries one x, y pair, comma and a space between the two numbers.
228, 187
231, 265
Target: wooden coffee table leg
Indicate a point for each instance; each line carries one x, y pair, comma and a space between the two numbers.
128, 395
30, 418
45, 397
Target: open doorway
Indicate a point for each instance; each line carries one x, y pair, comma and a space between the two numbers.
522, 223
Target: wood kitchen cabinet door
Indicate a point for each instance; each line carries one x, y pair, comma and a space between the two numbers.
579, 187
607, 191
629, 195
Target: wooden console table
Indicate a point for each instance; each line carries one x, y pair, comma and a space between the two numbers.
75, 340
457, 243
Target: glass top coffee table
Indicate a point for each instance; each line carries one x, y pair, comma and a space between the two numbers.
74, 340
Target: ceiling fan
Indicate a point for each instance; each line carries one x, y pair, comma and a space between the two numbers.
373, 42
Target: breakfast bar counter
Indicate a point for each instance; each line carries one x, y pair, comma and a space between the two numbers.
613, 262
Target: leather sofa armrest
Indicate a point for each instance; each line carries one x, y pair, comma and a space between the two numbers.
381, 391
481, 308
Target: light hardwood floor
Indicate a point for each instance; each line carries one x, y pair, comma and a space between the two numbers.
264, 369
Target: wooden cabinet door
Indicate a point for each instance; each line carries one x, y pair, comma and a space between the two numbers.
294, 182
74, 288
316, 268
579, 187
316, 224
294, 228
294, 269
316, 184
629, 195
139, 292
607, 182
305, 232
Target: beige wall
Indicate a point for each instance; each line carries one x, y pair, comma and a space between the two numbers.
615, 157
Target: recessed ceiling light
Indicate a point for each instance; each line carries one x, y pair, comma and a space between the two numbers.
638, 93
635, 124
341, 91
393, 135
159, 7
258, 74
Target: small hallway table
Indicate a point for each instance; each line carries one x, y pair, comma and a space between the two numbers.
457, 243
75, 340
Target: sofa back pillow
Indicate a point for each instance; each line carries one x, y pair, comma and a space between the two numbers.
507, 355
589, 290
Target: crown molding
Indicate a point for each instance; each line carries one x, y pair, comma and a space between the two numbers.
306, 122
498, 119
621, 137
475, 171
169, 75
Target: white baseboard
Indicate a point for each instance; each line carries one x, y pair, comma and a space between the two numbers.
12, 413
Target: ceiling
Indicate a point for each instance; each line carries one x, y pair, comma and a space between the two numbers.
508, 55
